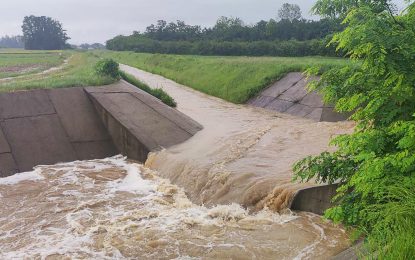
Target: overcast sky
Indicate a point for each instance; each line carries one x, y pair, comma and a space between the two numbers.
89, 21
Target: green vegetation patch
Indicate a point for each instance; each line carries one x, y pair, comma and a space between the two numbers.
236, 79
77, 73
158, 92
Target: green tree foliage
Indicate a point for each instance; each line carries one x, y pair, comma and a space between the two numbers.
43, 33
375, 165
11, 42
290, 12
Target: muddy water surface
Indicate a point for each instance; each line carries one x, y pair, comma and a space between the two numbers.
115, 209
243, 155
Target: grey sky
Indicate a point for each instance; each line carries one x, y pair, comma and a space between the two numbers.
99, 20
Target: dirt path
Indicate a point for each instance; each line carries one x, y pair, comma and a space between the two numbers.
243, 154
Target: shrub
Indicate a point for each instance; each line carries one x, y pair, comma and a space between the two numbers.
158, 92
108, 67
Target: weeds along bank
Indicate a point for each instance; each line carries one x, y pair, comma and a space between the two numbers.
235, 79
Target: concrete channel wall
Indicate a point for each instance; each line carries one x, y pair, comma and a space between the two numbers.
290, 95
41, 127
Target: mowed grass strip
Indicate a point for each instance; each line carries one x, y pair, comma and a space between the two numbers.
78, 72
236, 79
18, 62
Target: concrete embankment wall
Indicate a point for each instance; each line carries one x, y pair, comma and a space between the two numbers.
60, 125
290, 95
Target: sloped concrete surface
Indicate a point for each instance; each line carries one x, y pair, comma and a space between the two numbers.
289, 95
314, 199
38, 140
138, 122
60, 125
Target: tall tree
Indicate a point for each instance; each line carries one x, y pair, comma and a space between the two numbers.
43, 33
290, 12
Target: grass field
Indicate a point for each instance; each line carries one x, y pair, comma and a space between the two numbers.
14, 62
235, 79
79, 71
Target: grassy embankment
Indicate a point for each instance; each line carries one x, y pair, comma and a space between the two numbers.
235, 79
79, 71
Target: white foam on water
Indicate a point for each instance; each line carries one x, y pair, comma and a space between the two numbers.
133, 182
24, 176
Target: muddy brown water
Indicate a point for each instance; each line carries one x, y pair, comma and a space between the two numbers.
115, 209
243, 155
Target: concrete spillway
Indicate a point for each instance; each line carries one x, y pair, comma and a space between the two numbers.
42, 127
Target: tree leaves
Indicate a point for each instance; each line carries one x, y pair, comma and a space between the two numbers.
380, 155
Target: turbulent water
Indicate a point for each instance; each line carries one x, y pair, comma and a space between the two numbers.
243, 154
115, 209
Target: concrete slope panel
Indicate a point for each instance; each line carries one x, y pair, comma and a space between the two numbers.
315, 199
329, 115
280, 105
125, 142
142, 120
4, 145
78, 115
296, 93
8, 166
24, 104
283, 85
180, 119
300, 110
95, 150
261, 101
38, 140
312, 99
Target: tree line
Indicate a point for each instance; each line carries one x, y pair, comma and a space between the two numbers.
11, 42
291, 35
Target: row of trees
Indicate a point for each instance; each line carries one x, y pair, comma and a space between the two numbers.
234, 29
290, 35
11, 42
290, 48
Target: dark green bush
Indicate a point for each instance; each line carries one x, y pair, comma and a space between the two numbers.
108, 67
158, 92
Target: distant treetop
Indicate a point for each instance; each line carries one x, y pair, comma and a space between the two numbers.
290, 12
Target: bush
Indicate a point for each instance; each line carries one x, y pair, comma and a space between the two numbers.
158, 92
108, 67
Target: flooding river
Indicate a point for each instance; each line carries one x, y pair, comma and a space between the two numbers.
116, 209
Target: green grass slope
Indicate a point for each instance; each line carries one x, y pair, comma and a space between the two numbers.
235, 79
